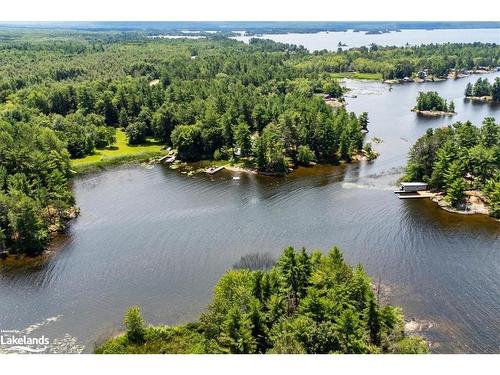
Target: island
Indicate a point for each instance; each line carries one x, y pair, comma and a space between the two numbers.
262, 107
431, 104
305, 303
460, 163
483, 91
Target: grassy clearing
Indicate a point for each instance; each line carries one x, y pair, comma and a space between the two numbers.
186, 339
120, 153
357, 75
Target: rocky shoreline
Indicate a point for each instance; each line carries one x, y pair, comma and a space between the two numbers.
474, 203
434, 113
57, 226
484, 99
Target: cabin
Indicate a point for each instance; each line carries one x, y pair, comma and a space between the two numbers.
411, 187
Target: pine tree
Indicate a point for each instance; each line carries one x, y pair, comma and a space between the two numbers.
135, 325
455, 191
495, 90
451, 107
236, 335
290, 277
373, 321
469, 90
363, 120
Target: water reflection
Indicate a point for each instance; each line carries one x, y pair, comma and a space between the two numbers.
162, 239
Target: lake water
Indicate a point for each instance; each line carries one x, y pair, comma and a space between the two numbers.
161, 239
330, 40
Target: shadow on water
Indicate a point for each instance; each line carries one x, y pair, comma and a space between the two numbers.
161, 239
256, 261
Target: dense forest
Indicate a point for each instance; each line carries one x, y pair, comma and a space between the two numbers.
432, 101
400, 62
306, 303
457, 158
67, 94
482, 87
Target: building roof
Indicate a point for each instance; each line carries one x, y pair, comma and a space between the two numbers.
413, 183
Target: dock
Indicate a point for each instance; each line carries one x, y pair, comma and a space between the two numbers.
213, 170
415, 195
167, 159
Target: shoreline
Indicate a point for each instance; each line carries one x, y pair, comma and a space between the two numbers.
192, 168
432, 79
433, 113
482, 99
474, 204
56, 230
111, 162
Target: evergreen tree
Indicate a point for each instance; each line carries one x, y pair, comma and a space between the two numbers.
451, 106
469, 91
363, 120
134, 324
242, 139
236, 335
372, 319
495, 90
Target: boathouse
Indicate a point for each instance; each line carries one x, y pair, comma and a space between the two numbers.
411, 187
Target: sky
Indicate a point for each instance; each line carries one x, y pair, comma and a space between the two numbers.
248, 10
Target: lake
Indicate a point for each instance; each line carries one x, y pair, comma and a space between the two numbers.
160, 239
330, 40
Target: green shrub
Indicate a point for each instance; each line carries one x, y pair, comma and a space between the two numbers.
135, 325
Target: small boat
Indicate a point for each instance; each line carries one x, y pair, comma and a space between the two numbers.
236, 178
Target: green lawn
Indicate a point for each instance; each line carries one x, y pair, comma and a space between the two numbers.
120, 152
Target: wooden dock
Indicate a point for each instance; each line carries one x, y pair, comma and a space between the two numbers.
415, 195
213, 170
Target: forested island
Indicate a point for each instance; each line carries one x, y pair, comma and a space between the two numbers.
76, 100
483, 90
432, 104
461, 162
306, 303
256, 27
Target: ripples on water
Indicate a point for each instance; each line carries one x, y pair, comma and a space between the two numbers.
160, 239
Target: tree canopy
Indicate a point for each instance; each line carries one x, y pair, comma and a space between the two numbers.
457, 158
307, 303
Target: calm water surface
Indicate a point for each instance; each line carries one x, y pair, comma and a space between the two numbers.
160, 239
330, 40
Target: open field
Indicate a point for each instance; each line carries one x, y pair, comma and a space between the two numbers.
120, 153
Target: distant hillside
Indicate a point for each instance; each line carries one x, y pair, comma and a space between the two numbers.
256, 27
